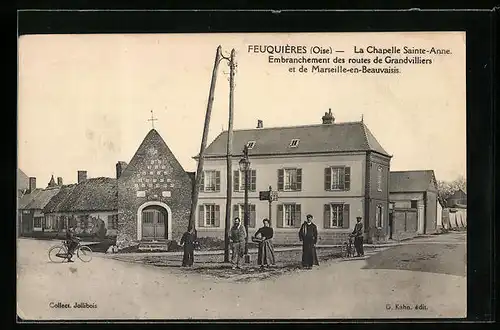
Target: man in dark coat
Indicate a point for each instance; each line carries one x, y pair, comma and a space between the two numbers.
71, 243
237, 237
357, 233
188, 240
308, 235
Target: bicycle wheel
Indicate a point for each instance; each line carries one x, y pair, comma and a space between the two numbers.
84, 253
58, 254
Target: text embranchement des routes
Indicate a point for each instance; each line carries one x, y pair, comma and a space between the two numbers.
369, 59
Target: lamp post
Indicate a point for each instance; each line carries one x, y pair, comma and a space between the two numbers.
245, 168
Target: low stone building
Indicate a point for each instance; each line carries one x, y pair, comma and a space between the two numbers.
30, 207
90, 207
413, 195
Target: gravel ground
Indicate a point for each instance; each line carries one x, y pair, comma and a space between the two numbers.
450, 259
338, 288
214, 266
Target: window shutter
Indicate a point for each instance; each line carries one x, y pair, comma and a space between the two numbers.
217, 180
201, 216
297, 216
299, 179
327, 216
279, 216
280, 179
328, 178
252, 219
236, 181
345, 217
202, 181
253, 182
217, 216
347, 178
236, 211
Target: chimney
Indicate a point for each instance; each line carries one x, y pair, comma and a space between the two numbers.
120, 167
328, 118
59, 181
32, 184
82, 176
52, 182
260, 124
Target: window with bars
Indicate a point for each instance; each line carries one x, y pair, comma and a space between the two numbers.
294, 143
37, 222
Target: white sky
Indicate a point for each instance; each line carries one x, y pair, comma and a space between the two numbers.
85, 100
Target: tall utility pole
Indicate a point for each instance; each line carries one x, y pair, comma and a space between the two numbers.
227, 226
199, 171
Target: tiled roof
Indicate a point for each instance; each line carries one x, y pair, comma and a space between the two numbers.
94, 194
412, 181
42, 197
56, 202
28, 198
338, 137
22, 180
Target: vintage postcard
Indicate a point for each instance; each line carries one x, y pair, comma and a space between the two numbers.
242, 176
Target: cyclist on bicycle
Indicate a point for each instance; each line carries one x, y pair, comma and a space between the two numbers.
71, 243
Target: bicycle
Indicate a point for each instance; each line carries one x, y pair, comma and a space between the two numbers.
348, 251
59, 253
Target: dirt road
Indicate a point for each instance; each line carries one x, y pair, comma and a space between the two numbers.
337, 289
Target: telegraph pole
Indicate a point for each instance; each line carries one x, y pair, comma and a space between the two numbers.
227, 226
199, 171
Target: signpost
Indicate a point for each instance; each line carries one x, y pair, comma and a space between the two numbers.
270, 196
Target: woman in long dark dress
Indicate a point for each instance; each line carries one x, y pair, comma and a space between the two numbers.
188, 241
266, 250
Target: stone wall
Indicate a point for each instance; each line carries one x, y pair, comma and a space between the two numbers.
153, 175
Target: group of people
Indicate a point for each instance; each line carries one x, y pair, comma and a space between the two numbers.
308, 235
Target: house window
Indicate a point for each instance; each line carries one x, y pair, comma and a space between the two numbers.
379, 178
113, 221
211, 215
294, 143
239, 211
250, 144
290, 179
211, 181
414, 204
379, 216
291, 215
336, 215
37, 222
239, 180
337, 178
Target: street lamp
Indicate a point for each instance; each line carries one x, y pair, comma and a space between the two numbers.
245, 168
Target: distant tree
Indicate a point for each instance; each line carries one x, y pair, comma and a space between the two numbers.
448, 188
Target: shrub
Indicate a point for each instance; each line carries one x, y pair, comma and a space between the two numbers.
173, 246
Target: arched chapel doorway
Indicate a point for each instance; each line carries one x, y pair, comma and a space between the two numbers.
154, 223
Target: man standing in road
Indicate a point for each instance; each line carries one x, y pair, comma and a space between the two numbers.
357, 233
308, 235
237, 238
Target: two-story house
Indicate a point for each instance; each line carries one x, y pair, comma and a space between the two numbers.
334, 171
